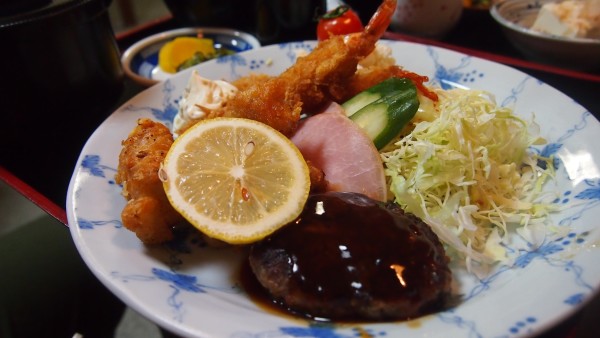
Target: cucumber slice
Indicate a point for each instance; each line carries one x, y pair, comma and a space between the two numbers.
384, 118
372, 120
372, 94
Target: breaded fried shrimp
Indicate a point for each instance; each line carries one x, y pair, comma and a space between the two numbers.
313, 80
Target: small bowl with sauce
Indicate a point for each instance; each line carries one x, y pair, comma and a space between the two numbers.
141, 60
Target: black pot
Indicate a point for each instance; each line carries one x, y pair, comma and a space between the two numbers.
270, 21
58, 54
60, 77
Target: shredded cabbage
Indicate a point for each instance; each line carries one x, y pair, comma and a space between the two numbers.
465, 168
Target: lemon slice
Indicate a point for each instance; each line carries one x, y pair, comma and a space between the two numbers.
175, 52
237, 180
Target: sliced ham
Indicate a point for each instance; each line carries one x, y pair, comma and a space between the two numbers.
347, 156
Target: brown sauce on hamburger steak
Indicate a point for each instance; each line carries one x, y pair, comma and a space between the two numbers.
350, 258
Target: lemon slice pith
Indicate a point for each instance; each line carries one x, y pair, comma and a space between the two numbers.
235, 179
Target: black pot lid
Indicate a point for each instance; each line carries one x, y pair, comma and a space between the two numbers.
19, 12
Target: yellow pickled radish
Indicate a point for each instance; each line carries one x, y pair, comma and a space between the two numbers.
175, 52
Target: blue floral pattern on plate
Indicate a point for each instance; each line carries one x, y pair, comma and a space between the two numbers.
192, 290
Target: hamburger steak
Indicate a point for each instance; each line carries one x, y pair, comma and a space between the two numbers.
348, 257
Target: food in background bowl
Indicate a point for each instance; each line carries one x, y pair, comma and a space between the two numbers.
186, 51
571, 19
517, 17
141, 61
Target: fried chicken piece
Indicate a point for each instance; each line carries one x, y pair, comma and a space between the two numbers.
250, 80
148, 212
269, 102
318, 181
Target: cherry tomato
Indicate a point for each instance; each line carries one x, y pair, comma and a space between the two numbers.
340, 21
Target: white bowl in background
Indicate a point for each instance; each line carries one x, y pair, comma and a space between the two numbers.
516, 18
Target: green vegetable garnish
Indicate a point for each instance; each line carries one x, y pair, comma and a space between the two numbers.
467, 171
201, 57
384, 109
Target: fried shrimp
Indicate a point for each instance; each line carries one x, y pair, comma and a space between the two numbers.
313, 80
372, 76
148, 213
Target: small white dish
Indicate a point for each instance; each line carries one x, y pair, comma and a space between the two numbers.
516, 18
140, 60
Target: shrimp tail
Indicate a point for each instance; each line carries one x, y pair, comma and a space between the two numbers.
381, 20
364, 42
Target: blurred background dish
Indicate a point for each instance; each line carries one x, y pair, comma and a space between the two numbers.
269, 20
141, 60
478, 4
429, 19
516, 18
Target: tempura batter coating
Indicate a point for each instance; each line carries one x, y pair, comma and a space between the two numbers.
148, 212
313, 80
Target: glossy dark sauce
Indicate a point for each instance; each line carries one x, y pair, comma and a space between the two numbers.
349, 251
260, 296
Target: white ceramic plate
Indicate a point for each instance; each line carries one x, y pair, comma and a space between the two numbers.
193, 291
